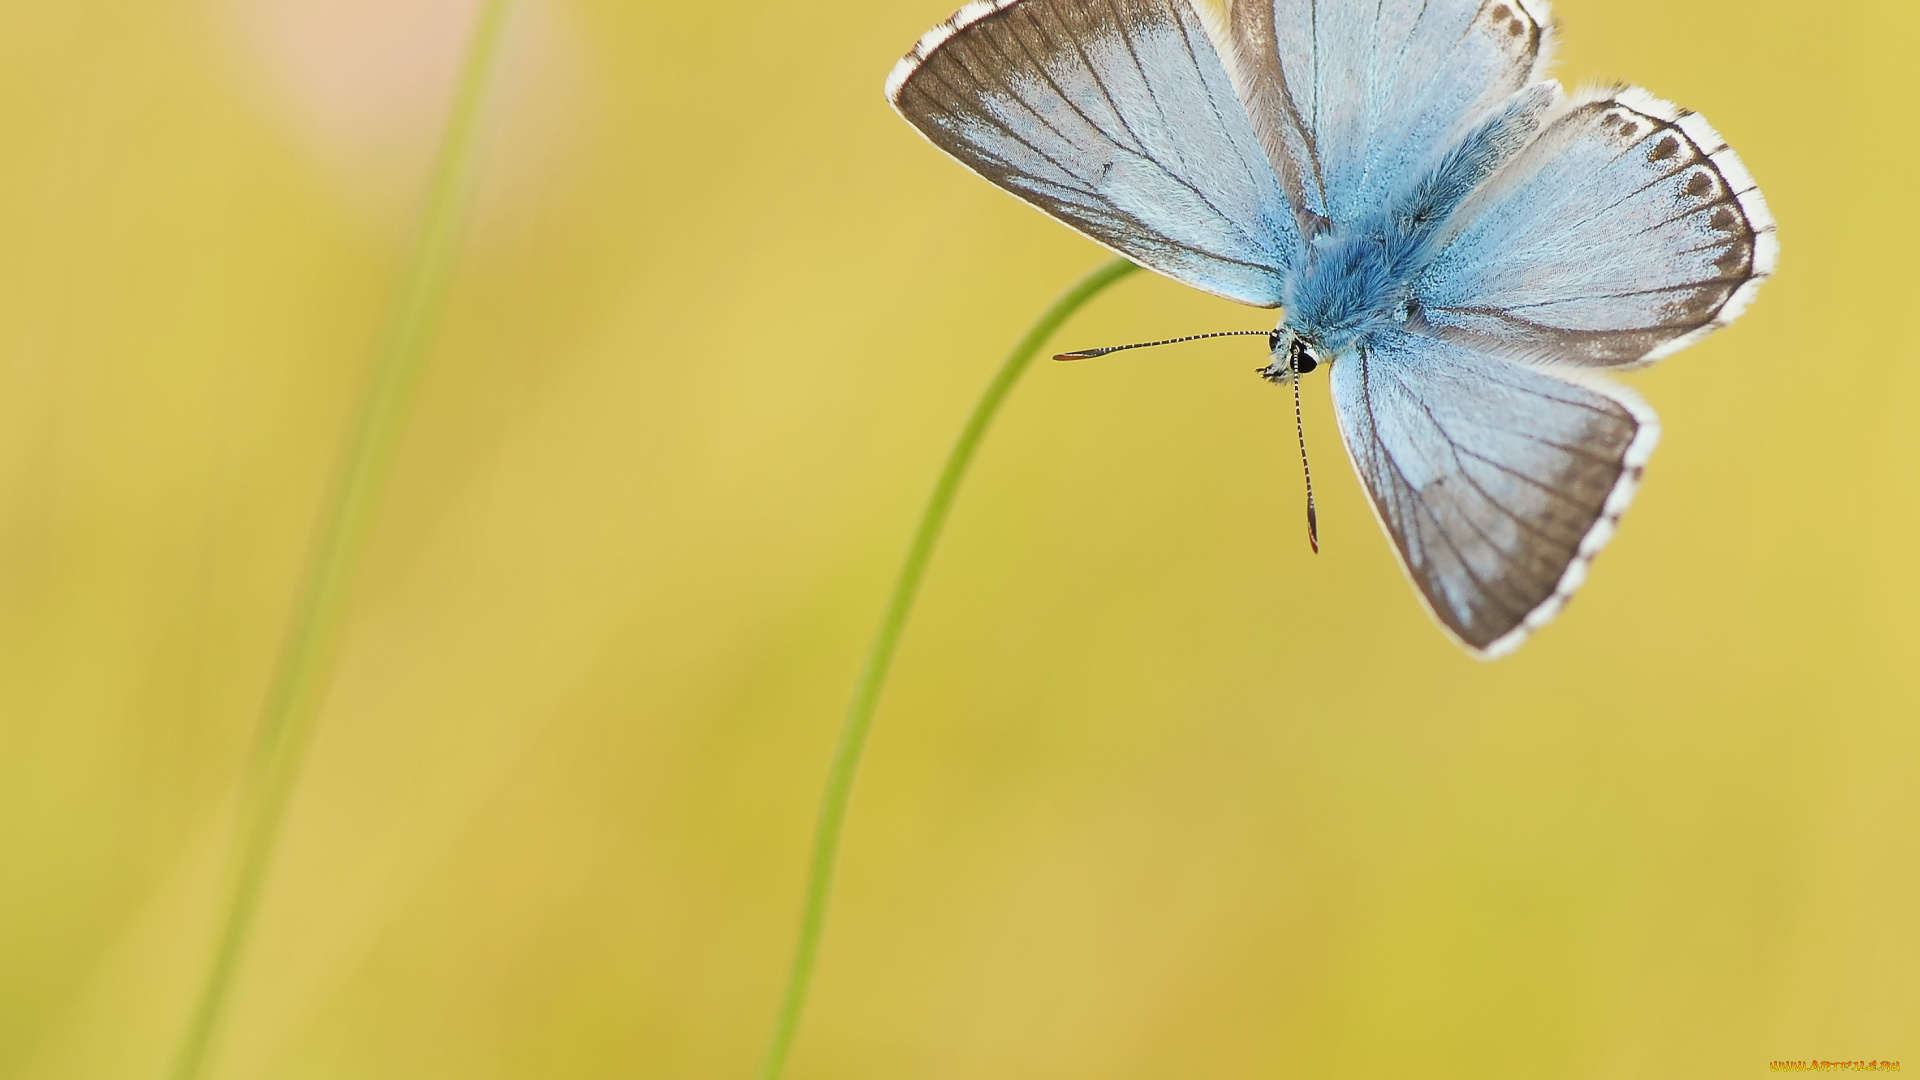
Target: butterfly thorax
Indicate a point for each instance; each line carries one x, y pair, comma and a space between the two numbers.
1358, 281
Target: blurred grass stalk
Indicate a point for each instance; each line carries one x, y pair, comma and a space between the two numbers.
873, 676
311, 647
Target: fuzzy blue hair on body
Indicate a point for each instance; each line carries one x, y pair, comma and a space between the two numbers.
1363, 278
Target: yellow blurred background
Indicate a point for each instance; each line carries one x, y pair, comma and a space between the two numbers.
1154, 791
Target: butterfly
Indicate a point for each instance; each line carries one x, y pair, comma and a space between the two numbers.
1466, 246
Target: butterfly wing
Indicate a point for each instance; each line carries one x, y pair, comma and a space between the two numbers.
1498, 482
1118, 118
1624, 232
1353, 101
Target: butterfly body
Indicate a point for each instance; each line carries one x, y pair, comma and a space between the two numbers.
1356, 284
1462, 242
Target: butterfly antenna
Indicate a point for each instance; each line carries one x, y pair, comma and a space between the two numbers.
1300, 433
1088, 354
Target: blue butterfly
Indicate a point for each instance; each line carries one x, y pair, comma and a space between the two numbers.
1465, 245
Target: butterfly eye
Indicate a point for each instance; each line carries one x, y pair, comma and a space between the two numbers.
1303, 360
1273, 340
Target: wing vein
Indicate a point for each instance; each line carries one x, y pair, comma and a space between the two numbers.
1383, 453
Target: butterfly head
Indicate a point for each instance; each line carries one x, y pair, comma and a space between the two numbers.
1289, 356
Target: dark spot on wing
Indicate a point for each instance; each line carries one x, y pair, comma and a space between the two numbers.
1516, 28
1699, 184
1724, 220
1664, 149
1737, 262
1622, 122
1501, 11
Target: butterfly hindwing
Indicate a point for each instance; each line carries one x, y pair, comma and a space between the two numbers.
1625, 231
1498, 482
1117, 117
1353, 100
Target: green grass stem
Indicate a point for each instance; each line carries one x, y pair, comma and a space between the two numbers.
873, 676
311, 646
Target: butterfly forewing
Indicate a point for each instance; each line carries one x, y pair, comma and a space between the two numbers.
1497, 482
1622, 233
1353, 98
1117, 117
